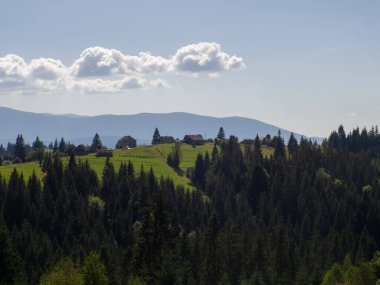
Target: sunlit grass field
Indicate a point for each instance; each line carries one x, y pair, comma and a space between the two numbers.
147, 156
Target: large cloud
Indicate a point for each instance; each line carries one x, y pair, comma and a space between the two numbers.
98, 61
105, 70
205, 57
46, 69
13, 71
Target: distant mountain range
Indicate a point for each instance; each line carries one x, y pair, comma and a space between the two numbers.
81, 129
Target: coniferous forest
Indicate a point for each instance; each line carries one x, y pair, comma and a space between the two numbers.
308, 214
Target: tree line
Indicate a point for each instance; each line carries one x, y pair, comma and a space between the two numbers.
308, 214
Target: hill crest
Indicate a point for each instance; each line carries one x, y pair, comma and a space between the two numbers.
81, 129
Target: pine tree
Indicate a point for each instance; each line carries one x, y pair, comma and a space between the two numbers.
55, 147
210, 269
199, 172
279, 147
37, 144
221, 135
94, 272
62, 146
19, 150
156, 137
214, 154
292, 144
96, 143
257, 154
10, 264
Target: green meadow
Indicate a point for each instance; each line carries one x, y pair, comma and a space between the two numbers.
25, 168
147, 156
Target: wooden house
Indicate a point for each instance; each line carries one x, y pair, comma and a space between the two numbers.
194, 139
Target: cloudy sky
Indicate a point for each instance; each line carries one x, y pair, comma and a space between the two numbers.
304, 65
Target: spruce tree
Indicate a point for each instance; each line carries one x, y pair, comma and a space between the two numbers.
19, 150
279, 147
292, 144
211, 264
221, 135
37, 144
156, 137
62, 146
96, 143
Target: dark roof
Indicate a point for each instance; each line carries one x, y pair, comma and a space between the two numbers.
247, 141
127, 138
104, 151
164, 139
194, 137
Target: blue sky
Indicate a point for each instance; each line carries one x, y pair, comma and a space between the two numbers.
307, 66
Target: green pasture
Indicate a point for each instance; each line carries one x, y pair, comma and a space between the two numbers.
147, 156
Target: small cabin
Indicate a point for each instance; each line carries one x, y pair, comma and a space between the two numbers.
126, 142
166, 139
194, 139
104, 153
248, 142
81, 149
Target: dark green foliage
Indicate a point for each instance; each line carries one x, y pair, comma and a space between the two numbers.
156, 137
292, 144
221, 135
10, 262
94, 272
62, 146
279, 146
96, 143
251, 220
19, 149
174, 157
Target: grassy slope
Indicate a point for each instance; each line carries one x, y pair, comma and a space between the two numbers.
25, 168
148, 156
152, 156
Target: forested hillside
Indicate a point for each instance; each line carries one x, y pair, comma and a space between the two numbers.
305, 215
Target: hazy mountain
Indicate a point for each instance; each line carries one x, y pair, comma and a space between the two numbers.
81, 129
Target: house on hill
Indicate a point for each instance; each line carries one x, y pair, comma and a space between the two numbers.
104, 152
81, 149
252, 141
248, 141
194, 139
126, 142
166, 139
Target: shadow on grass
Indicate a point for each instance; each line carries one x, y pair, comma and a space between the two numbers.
179, 171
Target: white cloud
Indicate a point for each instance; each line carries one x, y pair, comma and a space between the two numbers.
131, 83
12, 66
102, 70
146, 63
159, 83
46, 68
13, 71
205, 57
98, 61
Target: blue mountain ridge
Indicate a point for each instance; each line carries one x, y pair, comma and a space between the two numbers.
81, 129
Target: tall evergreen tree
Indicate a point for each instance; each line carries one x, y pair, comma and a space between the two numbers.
20, 150
62, 146
257, 153
292, 144
211, 264
156, 137
96, 143
37, 144
221, 135
10, 263
279, 147
55, 147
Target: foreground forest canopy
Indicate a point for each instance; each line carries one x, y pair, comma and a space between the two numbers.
308, 214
